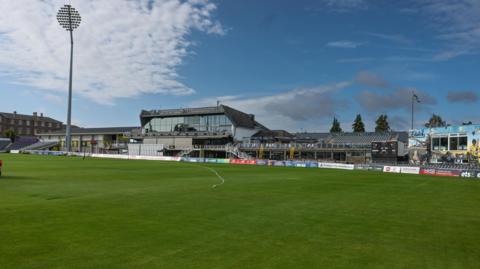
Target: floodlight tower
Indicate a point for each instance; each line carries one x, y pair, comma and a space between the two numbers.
69, 19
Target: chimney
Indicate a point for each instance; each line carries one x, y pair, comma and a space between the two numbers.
252, 117
34, 114
41, 115
14, 113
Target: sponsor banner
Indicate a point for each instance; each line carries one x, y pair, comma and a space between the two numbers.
210, 160
278, 163
223, 160
154, 158
262, 162
362, 167
410, 170
289, 163
470, 174
110, 156
336, 166
240, 161
377, 168
311, 164
367, 167
424, 171
447, 173
192, 160
301, 164
392, 169
441, 172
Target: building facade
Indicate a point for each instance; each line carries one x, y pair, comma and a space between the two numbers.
28, 125
95, 140
191, 129
329, 147
458, 144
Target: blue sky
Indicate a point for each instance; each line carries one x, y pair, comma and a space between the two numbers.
295, 64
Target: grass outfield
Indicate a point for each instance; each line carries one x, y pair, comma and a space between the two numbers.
58, 212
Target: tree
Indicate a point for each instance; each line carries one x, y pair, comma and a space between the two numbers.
358, 126
336, 126
10, 133
435, 121
382, 124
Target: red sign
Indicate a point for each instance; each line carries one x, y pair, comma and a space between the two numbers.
240, 161
427, 172
447, 173
440, 172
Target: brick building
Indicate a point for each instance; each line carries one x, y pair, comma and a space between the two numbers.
28, 125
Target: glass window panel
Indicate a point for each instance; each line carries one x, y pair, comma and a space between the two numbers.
453, 143
444, 143
462, 143
435, 143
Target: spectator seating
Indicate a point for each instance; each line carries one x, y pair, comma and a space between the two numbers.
21, 142
4, 142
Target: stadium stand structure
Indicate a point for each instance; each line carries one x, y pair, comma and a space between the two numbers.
337, 147
4, 143
211, 132
41, 146
21, 142
105, 140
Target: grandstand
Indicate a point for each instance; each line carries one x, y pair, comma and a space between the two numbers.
106, 139
338, 147
21, 142
4, 143
197, 132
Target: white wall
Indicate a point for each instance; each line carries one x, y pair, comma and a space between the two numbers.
243, 133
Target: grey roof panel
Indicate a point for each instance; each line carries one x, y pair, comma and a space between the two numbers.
102, 130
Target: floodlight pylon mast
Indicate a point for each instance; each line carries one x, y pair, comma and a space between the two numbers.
69, 19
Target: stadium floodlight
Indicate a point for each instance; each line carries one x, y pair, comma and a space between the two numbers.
69, 19
415, 99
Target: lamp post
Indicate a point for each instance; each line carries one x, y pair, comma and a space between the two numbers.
417, 100
69, 19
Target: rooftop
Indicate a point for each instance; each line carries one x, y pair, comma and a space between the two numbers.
15, 115
87, 131
237, 117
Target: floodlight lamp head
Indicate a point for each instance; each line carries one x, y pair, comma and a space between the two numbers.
68, 17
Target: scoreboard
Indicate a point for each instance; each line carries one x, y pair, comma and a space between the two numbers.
385, 151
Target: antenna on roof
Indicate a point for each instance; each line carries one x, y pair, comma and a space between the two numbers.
218, 103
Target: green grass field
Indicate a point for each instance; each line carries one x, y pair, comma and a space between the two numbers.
58, 212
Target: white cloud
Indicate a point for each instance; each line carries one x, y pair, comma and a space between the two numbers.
344, 44
290, 110
345, 5
122, 48
458, 23
395, 38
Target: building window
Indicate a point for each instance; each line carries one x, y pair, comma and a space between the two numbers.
453, 143
462, 143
